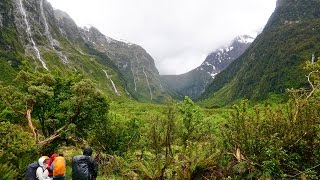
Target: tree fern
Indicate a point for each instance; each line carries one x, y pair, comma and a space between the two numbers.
7, 172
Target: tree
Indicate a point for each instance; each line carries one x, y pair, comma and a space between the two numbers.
191, 118
55, 103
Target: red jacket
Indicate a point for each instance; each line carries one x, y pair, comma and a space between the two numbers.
49, 162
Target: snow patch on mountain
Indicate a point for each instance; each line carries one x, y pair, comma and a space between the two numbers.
213, 75
220, 58
246, 40
86, 27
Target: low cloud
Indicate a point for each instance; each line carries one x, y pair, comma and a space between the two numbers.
178, 34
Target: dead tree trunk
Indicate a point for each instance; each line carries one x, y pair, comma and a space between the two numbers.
34, 130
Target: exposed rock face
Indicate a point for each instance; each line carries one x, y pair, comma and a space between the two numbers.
137, 66
29, 11
221, 58
67, 26
194, 82
50, 39
142, 78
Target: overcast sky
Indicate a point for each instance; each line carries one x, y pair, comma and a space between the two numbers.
178, 34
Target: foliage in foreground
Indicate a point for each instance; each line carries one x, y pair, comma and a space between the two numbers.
175, 141
55, 110
277, 143
254, 142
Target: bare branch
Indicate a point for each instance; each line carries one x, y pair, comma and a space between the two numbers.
63, 128
311, 84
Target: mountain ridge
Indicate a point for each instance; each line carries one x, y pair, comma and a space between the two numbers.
132, 60
47, 39
194, 82
275, 59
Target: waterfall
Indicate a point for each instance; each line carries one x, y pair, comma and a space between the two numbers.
138, 62
28, 30
148, 83
128, 93
135, 74
46, 27
1, 21
113, 85
134, 78
62, 57
48, 34
161, 86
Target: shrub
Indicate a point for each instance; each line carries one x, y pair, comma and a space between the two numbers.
17, 149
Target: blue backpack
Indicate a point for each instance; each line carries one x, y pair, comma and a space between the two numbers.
31, 171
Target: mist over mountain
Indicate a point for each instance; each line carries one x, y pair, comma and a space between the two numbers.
64, 87
33, 34
194, 82
136, 65
275, 59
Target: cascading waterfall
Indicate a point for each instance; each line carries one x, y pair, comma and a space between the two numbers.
48, 34
113, 85
1, 21
138, 62
62, 57
128, 93
46, 27
28, 30
161, 86
135, 73
148, 83
134, 78
80, 51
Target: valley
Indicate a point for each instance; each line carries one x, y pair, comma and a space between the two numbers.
250, 111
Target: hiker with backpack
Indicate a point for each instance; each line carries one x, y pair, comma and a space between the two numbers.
31, 171
42, 172
58, 167
84, 167
50, 161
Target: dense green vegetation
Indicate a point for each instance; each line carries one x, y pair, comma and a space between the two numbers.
73, 105
177, 140
274, 61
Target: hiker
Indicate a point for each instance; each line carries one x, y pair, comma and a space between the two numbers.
50, 161
58, 167
42, 172
84, 167
31, 170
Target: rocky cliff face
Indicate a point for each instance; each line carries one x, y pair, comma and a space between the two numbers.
37, 30
50, 40
194, 83
67, 26
137, 66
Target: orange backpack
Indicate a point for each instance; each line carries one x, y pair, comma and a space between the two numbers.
59, 166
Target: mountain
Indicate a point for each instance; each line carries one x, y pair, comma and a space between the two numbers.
34, 35
137, 66
275, 59
31, 38
194, 82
